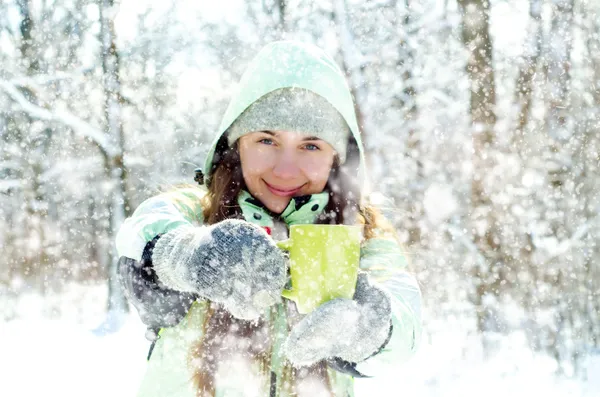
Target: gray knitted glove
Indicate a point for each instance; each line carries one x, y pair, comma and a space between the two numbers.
233, 262
347, 329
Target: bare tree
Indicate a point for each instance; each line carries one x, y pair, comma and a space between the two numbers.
114, 167
528, 68
35, 140
406, 101
589, 154
353, 63
476, 38
559, 131
559, 44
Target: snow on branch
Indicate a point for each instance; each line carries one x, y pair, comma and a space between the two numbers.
79, 126
7, 184
566, 245
45, 79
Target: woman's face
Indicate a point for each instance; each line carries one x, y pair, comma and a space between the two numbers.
279, 165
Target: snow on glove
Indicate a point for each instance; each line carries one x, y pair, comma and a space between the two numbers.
347, 329
158, 306
232, 262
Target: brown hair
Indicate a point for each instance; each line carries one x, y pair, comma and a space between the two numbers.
220, 203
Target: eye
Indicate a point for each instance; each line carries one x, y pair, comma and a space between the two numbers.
266, 141
311, 147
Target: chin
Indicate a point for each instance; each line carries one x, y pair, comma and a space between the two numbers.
277, 206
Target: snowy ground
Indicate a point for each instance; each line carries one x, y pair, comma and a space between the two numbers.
47, 348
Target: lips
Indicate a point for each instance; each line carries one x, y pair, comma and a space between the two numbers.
283, 192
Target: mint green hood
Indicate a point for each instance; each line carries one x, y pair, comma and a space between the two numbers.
291, 64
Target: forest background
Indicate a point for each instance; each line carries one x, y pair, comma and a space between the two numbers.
481, 121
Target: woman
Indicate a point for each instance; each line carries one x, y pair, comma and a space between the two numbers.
202, 268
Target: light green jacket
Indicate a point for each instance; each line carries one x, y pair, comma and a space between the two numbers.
169, 372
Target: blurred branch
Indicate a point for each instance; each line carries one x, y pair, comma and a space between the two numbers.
34, 82
61, 116
44, 79
6, 185
567, 244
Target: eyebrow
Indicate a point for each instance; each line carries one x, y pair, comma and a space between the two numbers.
307, 138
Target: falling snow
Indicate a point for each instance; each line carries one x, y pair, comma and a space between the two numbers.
481, 123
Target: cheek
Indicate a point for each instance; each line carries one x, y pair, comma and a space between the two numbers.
255, 161
318, 171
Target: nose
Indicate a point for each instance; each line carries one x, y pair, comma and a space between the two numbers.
286, 165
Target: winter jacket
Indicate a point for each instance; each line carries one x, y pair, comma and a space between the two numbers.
168, 372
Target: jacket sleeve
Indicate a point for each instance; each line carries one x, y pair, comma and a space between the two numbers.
157, 305
158, 215
383, 260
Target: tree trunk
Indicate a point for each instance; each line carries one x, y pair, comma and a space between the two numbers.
352, 64
529, 60
407, 104
114, 168
558, 46
35, 204
281, 6
27, 48
593, 169
476, 38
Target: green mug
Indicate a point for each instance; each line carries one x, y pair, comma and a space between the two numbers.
323, 263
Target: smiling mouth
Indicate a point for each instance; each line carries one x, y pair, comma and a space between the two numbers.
282, 192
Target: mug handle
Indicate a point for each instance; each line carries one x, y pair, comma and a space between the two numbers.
286, 245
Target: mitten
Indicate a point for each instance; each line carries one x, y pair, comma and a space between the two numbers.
232, 262
348, 329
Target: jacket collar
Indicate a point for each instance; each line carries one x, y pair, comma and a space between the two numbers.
300, 210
